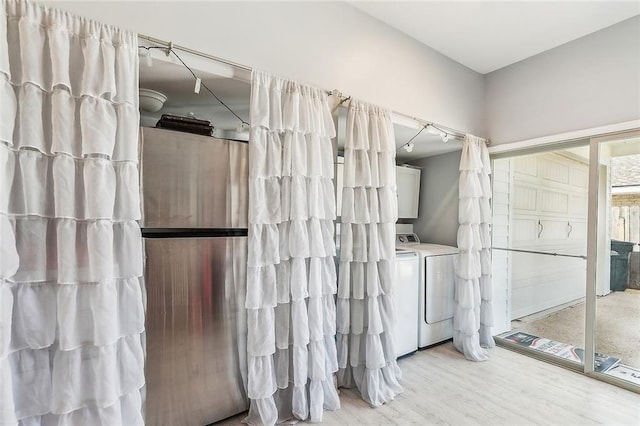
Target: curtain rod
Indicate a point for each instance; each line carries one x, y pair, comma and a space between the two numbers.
337, 93
171, 45
546, 253
423, 123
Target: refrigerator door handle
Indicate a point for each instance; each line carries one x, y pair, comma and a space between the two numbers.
193, 232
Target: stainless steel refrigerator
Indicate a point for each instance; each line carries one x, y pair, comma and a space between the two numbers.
194, 191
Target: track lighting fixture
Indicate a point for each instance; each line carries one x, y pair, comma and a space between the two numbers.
432, 129
198, 81
437, 131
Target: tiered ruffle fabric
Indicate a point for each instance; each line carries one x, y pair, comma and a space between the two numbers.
473, 316
365, 306
291, 278
71, 305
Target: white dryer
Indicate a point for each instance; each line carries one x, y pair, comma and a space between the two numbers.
437, 283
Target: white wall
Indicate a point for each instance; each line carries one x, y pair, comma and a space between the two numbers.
590, 82
438, 210
329, 44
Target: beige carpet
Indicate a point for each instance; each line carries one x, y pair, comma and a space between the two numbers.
617, 332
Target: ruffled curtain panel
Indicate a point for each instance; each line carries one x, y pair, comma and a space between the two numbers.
291, 277
473, 315
365, 304
71, 306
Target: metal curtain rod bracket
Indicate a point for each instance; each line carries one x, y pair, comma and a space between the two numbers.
338, 94
343, 100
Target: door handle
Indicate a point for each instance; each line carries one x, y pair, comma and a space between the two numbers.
570, 229
540, 228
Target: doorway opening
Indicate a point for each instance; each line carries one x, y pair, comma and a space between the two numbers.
566, 255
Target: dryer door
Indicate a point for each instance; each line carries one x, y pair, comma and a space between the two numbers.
440, 279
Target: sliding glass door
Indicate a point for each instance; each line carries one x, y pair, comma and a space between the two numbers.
613, 325
540, 247
566, 255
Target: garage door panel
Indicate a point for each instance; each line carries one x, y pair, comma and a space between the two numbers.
578, 176
527, 165
554, 202
554, 230
555, 222
545, 281
577, 204
554, 171
523, 230
525, 198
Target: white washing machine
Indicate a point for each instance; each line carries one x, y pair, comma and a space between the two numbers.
436, 290
406, 294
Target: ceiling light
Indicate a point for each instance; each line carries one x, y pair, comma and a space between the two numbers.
436, 131
408, 147
433, 130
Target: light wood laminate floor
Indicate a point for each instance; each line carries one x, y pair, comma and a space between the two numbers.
443, 388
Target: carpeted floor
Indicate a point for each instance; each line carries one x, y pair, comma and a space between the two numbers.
617, 332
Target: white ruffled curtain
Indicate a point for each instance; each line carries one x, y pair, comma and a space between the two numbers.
365, 305
71, 309
291, 278
473, 316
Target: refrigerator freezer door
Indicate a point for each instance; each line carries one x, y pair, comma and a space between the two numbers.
196, 350
193, 181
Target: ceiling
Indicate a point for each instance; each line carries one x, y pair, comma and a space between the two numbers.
482, 35
489, 35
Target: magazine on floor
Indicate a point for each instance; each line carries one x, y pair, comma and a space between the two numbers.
602, 363
625, 372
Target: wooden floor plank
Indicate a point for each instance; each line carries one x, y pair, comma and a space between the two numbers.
443, 388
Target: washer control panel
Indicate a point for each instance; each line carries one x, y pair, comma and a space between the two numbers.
407, 239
